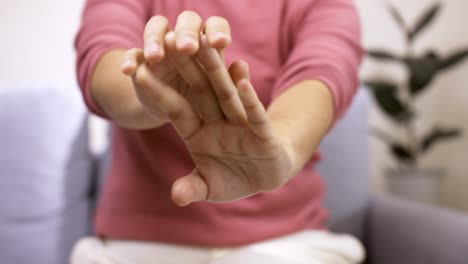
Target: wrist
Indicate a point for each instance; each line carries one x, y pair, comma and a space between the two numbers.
298, 157
294, 158
302, 115
295, 152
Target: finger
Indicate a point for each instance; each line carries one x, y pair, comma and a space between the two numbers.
132, 59
187, 32
239, 70
221, 82
155, 30
218, 32
157, 96
205, 101
189, 189
257, 117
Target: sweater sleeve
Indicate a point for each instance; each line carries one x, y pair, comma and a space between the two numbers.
324, 46
107, 25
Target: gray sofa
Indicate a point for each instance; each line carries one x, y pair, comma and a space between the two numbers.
46, 172
48, 183
393, 230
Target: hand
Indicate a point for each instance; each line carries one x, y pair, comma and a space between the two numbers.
184, 71
232, 159
236, 153
217, 112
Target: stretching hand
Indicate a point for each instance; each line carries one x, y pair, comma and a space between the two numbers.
178, 70
216, 111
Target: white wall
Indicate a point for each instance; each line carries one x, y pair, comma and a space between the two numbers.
445, 102
37, 46
37, 40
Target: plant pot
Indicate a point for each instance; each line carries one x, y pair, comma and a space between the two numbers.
416, 184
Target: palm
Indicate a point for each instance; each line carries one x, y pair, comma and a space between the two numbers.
225, 126
231, 160
234, 162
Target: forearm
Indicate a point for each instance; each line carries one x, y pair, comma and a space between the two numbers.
114, 93
303, 115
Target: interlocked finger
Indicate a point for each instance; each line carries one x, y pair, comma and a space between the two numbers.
257, 117
132, 59
187, 32
204, 99
155, 30
218, 32
157, 96
221, 82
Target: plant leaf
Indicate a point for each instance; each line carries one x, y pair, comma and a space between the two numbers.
382, 55
425, 21
397, 17
422, 71
438, 134
453, 59
382, 135
402, 153
386, 95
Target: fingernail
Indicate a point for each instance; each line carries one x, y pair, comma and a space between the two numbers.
154, 49
186, 42
221, 36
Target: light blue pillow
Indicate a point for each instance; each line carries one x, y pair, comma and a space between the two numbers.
45, 172
345, 168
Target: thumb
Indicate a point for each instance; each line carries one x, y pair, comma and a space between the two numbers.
189, 189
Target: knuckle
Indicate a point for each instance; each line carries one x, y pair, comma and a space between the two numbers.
157, 20
189, 14
155, 23
217, 20
226, 95
217, 23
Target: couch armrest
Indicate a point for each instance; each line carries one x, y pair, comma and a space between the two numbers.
407, 232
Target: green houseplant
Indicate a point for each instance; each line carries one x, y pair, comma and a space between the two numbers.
397, 102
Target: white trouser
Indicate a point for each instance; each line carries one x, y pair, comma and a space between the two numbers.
307, 247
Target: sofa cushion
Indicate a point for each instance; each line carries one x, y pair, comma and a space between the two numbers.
345, 168
45, 172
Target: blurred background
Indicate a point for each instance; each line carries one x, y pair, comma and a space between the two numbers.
439, 106
415, 133
38, 40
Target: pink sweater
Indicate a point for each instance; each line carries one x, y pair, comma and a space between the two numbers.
284, 41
